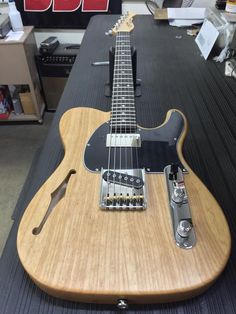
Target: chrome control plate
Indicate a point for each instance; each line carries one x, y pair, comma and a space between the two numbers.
179, 207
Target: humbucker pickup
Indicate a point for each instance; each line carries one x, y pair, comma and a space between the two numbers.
123, 140
123, 179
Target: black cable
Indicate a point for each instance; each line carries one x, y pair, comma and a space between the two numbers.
151, 6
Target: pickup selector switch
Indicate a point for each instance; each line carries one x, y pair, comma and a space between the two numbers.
173, 172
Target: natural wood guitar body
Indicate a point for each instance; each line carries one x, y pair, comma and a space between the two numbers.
85, 254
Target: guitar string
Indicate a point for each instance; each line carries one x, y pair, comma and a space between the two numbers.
119, 57
134, 121
115, 99
123, 102
122, 108
129, 88
117, 104
115, 90
125, 110
118, 111
110, 142
130, 92
114, 118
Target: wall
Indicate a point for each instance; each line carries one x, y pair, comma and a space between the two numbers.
76, 35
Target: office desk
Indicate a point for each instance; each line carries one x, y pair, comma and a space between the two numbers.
173, 75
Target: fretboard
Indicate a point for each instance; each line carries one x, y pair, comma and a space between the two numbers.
123, 113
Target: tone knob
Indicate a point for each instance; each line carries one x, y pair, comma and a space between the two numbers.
184, 228
178, 195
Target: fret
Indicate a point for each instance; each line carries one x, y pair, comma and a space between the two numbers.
124, 114
122, 93
123, 121
128, 121
119, 84
124, 66
128, 112
119, 97
123, 105
121, 116
128, 126
114, 112
123, 76
123, 101
123, 89
122, 110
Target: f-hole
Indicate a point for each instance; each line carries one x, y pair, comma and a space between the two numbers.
56, 196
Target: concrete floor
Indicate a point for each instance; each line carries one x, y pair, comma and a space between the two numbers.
18, 144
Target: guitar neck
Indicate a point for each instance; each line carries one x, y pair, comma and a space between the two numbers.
123, 113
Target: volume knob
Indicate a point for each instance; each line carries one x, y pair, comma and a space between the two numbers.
184, 228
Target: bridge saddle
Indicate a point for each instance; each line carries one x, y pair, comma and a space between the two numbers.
123, 189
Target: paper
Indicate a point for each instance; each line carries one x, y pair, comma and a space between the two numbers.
230, 17
186, 13
206, 38
15, 36
180, 23
203, 3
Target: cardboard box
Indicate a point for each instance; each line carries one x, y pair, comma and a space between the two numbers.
5, 102
27, 103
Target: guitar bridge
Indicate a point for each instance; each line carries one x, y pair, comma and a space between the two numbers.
123, 189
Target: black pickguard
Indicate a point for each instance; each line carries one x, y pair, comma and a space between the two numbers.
158, 148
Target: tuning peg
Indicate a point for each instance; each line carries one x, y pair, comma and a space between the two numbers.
109, 33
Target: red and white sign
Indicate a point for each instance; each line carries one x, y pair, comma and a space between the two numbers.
64, 13
66, 6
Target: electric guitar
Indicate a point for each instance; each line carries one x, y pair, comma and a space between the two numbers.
123, 219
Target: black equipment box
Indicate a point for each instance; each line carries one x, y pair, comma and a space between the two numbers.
48, 45
54, 70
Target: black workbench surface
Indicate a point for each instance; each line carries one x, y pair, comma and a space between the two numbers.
174, 75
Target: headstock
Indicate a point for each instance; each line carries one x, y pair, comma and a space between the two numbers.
124, 24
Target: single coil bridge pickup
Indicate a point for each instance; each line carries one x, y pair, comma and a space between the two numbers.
123, 190
123, 179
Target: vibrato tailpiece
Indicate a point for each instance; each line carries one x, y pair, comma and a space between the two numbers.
179, 206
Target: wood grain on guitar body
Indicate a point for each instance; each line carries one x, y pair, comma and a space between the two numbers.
123, 218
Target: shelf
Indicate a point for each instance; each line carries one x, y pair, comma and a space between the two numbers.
21, 117
18, 67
